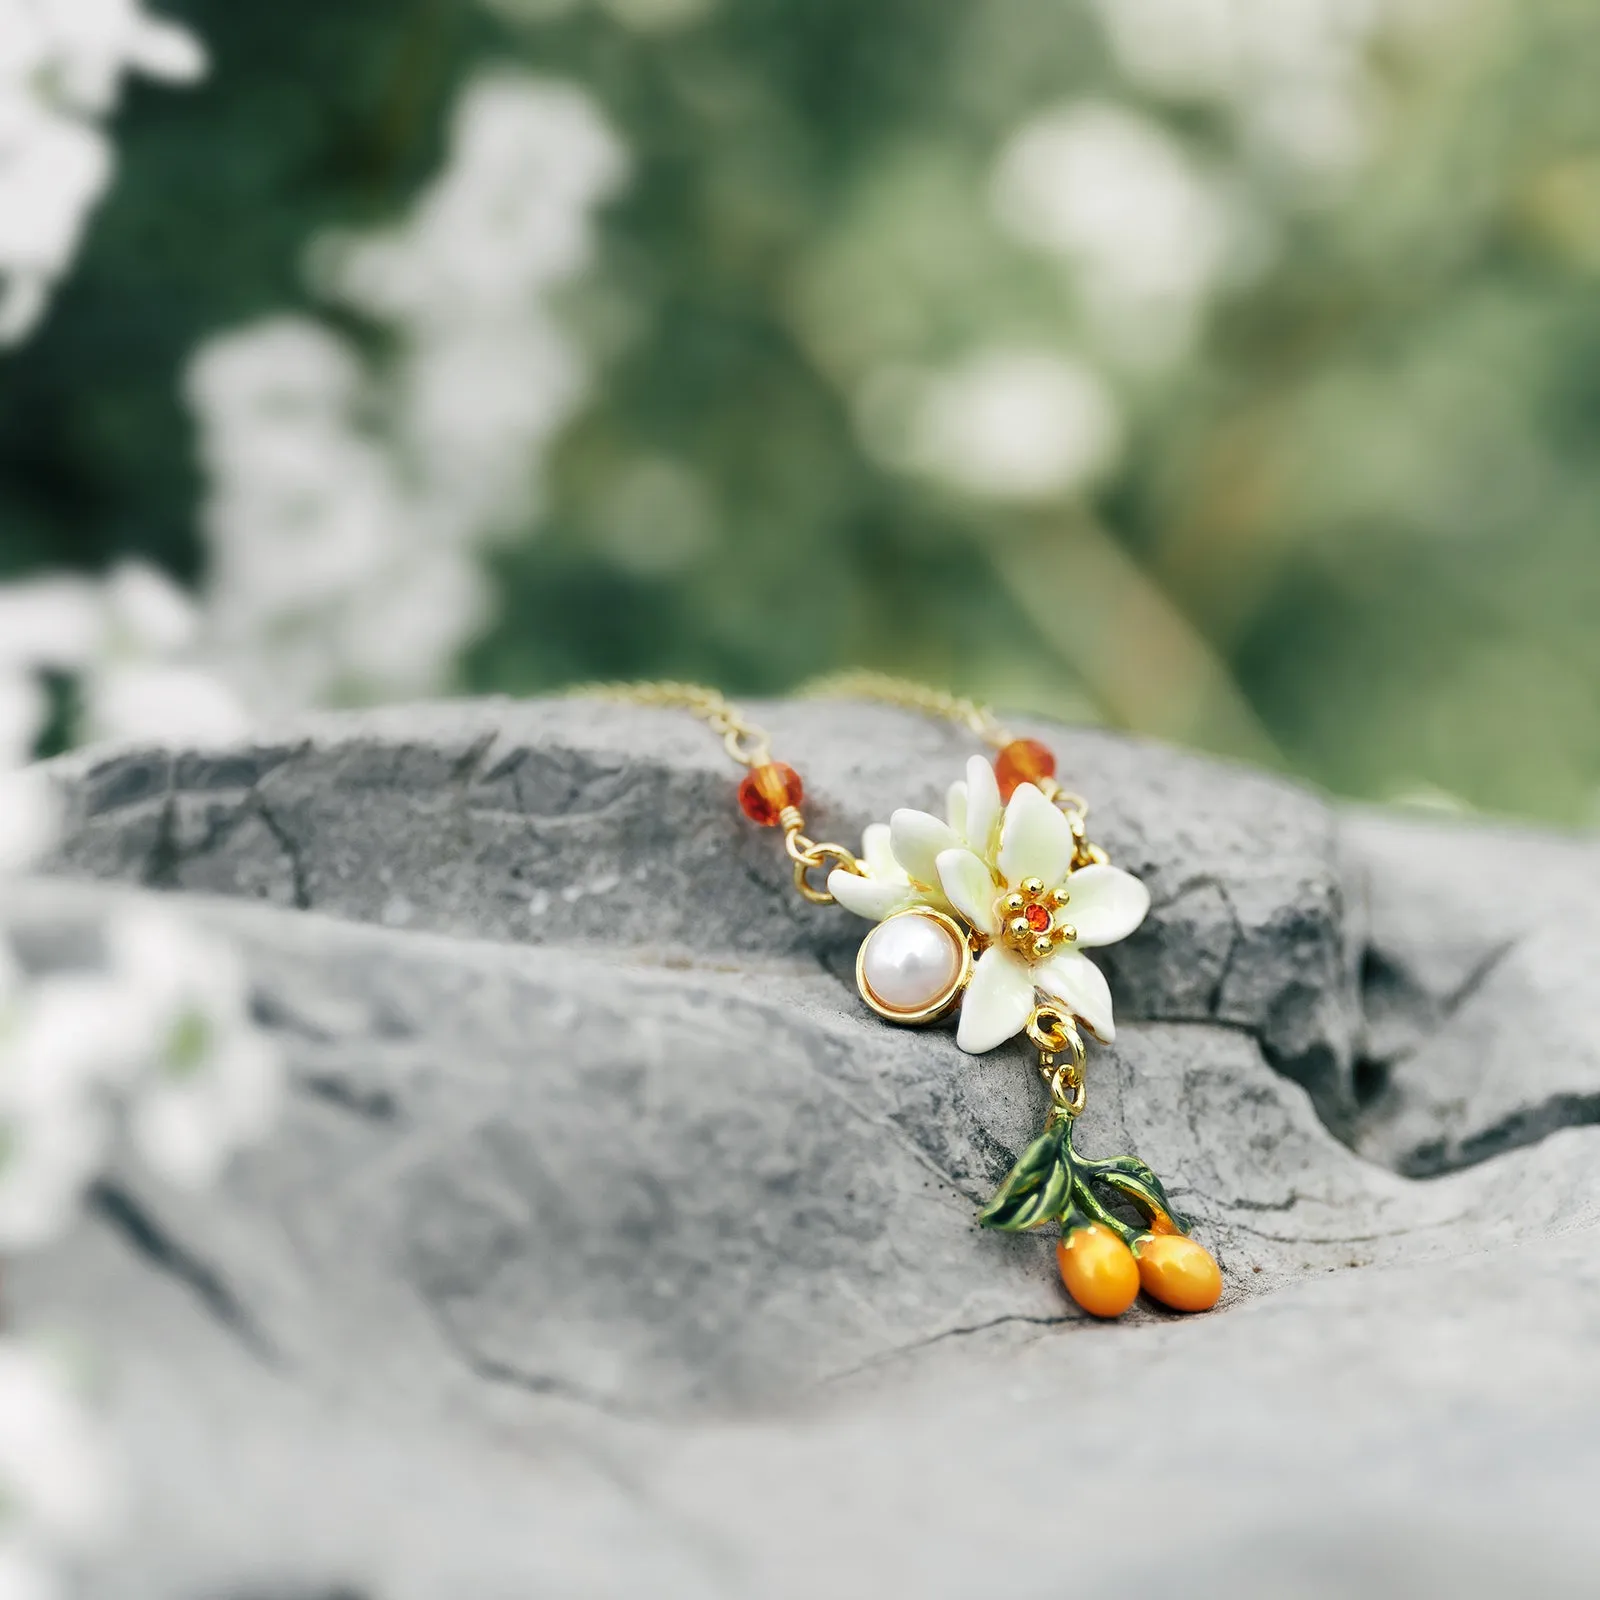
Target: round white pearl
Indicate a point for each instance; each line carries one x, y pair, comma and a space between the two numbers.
910, 963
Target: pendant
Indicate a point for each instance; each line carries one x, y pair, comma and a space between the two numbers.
987, 914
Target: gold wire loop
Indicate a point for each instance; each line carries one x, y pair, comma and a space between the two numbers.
809, 856
1053, 1032
1067, 1089
817, 859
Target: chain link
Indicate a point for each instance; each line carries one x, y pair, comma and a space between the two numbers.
809, 857
1053, 1031
979, 719
910, 696
748, 744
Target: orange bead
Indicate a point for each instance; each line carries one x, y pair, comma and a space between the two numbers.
769, 791
1023, 761
1098, 1270
1178, 1271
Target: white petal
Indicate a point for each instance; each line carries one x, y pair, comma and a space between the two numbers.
867, 897
169, 704
1035, 839
151, 617
22, 714
955, 807
879, 855
178, 1136
1081, 986
50, 622
969, 886
983, 807
166, 51
918, 839
30, 818
1106, 904
998, 1001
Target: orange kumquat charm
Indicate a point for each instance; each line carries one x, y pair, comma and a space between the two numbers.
1098, 1270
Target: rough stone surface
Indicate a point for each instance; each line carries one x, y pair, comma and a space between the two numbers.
609, 1247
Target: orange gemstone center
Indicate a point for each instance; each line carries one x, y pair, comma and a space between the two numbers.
1038, 917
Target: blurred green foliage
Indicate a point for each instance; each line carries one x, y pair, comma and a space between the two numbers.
1353, 530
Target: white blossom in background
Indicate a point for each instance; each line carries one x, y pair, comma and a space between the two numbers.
157, 1046
29, 819
145, 679
57, 1488
1013, 424
129, 641
27, 807
1148, 235
62, 63
1294, 73
56, 1051
644, 16
349, 501
22, 712
203, 1080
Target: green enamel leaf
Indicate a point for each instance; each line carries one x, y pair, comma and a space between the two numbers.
1130, 1176
1038, 1189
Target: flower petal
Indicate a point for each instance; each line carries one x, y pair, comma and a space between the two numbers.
30, 818
984, 807
1081, 986
879, 855
955, 807
917, 840
998, 1001
867, 897
1035, 839
1105, 904
969, 886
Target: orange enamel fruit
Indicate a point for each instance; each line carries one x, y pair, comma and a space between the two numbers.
1178, 1271
1098, 1270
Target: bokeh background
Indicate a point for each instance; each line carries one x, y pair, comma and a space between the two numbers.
1225, 370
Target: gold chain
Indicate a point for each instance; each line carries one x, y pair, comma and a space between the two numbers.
743, 740
751, 746
910, 696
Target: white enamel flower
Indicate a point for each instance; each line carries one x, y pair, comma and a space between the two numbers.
1007, 871
900, 858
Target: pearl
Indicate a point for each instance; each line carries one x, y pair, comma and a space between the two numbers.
910, 964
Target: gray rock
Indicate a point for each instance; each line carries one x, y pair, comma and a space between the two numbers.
608, 1247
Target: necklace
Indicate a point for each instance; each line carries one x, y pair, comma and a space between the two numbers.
985, 915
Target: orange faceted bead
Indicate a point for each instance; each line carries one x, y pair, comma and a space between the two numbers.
1023, 761
769, 791
1098, 1270
1178, 1271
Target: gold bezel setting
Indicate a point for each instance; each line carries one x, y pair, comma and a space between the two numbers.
948, 998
